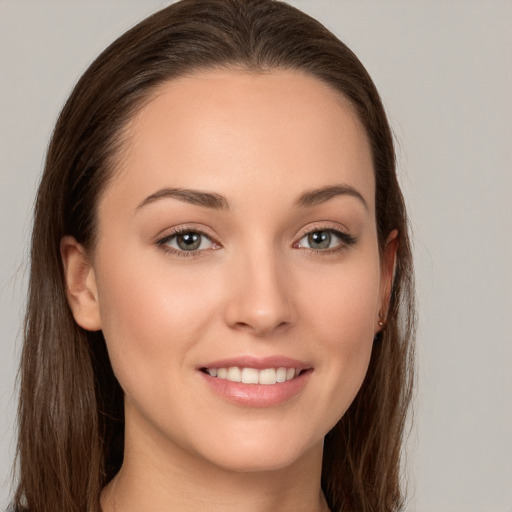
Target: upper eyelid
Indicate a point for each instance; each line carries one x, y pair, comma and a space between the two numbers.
206, 232
162, 242
178, 230
323, 226
177, 233
346, 238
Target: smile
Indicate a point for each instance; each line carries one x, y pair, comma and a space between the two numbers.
250, 381
265, 376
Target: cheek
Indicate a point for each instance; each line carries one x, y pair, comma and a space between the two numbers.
344, 316
149, 315
346, 302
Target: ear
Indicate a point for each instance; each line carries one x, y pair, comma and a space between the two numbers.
81, 288
388, 264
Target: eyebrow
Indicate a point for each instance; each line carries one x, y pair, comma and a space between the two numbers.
207, 199
219, 202
321, 195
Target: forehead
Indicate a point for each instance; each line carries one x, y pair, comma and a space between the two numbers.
233, 130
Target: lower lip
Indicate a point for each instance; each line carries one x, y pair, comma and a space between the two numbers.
257, 395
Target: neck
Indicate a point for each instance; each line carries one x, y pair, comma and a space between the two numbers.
172, 479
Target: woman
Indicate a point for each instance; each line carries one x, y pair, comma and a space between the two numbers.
220, 309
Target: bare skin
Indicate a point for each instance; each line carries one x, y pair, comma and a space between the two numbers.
270, 254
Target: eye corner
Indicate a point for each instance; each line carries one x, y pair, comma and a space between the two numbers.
342, 240
195, 242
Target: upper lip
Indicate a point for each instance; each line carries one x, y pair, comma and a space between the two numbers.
259, 363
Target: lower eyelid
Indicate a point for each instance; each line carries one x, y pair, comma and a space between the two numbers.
344, 238
163, 243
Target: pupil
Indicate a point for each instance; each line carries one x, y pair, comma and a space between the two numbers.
189, 241
320, 239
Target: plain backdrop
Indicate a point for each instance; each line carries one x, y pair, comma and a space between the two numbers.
444, 70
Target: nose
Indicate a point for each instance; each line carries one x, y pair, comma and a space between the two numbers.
260, 299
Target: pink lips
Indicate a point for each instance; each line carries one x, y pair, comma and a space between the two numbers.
259, 363
257, 395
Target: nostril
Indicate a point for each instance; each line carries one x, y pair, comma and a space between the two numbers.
259, 299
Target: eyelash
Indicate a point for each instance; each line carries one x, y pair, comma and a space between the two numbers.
162, 242
347, 240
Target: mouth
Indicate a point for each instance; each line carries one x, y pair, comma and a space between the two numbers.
248, 375
256, 382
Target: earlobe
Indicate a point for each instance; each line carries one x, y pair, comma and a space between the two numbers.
81, 289
387, 277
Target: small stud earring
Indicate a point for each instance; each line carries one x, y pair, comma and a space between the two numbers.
381, 323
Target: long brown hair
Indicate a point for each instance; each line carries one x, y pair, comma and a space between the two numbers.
71, 420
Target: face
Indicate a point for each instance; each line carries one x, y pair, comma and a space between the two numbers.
237, 241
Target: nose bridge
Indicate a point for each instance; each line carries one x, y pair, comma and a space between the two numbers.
259, 299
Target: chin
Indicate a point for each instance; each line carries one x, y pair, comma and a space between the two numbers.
263, 455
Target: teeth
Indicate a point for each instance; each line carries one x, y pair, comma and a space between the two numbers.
250, 376
234, 374
281, 374
267, 376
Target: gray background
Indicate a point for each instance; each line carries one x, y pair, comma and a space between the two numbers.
444, 69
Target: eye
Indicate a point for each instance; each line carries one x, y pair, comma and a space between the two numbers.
325, 239
187, 241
